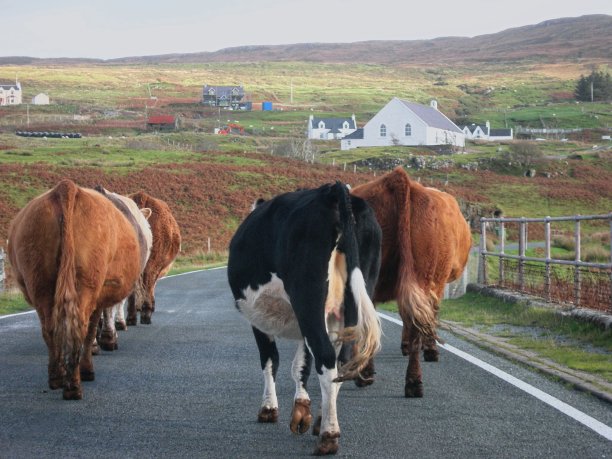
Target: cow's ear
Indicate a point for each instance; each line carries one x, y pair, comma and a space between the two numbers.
146, 212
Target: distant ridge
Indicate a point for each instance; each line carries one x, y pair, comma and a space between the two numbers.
587, 37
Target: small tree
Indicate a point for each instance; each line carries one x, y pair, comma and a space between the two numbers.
595, 87
524, 154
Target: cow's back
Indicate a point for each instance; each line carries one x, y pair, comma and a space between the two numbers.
166, 234
102, 238
425, 237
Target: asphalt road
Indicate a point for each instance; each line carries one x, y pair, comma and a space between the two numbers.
189, 386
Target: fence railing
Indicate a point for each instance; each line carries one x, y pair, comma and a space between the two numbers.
582, 283
2, 271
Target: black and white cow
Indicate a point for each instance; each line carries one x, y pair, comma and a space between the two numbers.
303, 266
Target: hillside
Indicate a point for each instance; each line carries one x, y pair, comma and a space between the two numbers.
211, 192
566, 38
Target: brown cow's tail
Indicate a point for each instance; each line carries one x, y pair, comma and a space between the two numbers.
367, 331
414, 304
67, 325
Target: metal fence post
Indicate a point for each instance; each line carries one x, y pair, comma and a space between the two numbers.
547, 256
2, 271
521, 263
482, 259
501, 252
577, 274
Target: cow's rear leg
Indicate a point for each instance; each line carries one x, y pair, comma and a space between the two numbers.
132, 313
268, 354
325, 363
147, 311
120, 323
430, 350
108, 335
366, 375
55, 367
301, 415
86, 367
411, 346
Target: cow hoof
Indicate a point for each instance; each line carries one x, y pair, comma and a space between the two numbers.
431, 355
145, 320
413, 389
110, 346
328, 444
360, 382
121, 325
131, 321
267, 415
87, 375
301, 417
72, 393
316, 428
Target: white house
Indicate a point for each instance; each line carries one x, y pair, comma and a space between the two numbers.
10, 93
330, 128
40, 99
401, 122
484, 132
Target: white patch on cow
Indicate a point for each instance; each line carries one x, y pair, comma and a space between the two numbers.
268, 308
296, 372
140, 218
119, 312
329, 395
269, 399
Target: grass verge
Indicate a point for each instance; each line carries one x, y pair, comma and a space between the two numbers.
12, 302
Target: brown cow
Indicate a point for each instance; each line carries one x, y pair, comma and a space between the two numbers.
166, 245
73, 253
426, 244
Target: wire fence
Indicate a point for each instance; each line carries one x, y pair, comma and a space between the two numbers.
585, 284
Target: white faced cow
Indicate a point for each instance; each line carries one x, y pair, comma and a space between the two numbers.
303, 266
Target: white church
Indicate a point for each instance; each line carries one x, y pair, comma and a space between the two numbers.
401, 122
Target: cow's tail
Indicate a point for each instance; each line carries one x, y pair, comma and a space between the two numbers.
414, 303
66, 318
366, 333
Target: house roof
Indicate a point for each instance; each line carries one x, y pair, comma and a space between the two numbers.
500, 133
9, 86
226, 91
333, 124
357, 134
472, 127
161, 119
431, 116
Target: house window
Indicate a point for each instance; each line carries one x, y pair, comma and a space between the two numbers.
322, 135
408, 130
211, 91
383, 130
345, 125
321, 125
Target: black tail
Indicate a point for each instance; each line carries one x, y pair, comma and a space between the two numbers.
365, 330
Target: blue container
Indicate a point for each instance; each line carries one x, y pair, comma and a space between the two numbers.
266, 106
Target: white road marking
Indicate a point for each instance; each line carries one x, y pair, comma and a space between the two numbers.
16, 314
593, 424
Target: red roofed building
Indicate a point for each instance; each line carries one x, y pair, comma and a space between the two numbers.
162, 122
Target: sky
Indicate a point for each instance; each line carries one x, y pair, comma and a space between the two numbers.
109, 29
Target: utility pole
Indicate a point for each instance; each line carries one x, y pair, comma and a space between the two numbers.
592, 78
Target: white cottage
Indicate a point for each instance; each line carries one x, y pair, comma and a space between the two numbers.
40, 99
10, 93
401, 122
484, 132
330, 128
